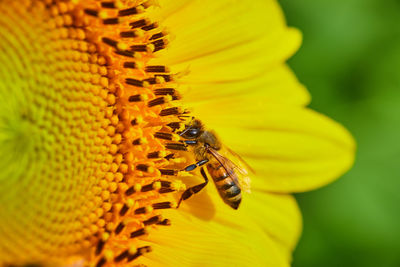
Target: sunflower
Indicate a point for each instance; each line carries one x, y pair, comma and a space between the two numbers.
96, 98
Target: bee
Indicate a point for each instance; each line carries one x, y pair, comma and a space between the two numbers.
228, 177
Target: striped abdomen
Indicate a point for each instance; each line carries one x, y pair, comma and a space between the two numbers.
228, 190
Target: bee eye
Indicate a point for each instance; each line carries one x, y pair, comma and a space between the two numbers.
192, 133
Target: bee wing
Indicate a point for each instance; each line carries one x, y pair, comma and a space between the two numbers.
242, 166
241, 160
242, 180
228, 165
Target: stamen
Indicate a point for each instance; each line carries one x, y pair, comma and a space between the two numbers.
165, 222
91, 12
142, 48
152, 186
101, 262
135, 122
155, 80
156, 155
127, 53
133, 189
119, 228
101, 243
166, 77
167, 187
163, 205
137, 98
170, 156
150, 27
152, 220
166, 136
130, 65
144, 168
129, 203
136, 83
176, 146
148, 187
111, 21
122, 256
164, 91
144, 210
168, 172
159, 44
130, 34
157, 36
110, 4
159, 101
171, 111
139, 141
139, 253
166, 190
157, 69
166, 184
139, 23
176, 125
131, 11
139, 232
109, 42
108, 256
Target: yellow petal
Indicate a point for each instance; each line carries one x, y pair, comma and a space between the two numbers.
201, 28
206, 50
239, 61
206, 232
278, 215
278, 85
293, 149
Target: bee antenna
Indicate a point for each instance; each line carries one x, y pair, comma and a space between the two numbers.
188, 128
184, 117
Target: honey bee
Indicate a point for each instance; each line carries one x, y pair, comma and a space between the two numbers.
229, 178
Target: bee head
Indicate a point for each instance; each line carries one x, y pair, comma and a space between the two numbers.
193, 130
209, 138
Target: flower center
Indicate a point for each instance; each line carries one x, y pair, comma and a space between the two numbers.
87, 128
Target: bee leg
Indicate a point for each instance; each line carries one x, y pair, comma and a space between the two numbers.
184, 117
194, 189
194, 166
190, 142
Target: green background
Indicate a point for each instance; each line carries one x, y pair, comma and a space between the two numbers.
350, 62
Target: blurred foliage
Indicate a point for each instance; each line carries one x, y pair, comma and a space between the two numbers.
350, 62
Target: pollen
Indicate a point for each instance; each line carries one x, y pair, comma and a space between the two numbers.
90, 153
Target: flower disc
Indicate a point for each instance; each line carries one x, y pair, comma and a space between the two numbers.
57, 132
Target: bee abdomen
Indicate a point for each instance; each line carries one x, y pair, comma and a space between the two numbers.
234, 202
220, 178
230, 192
